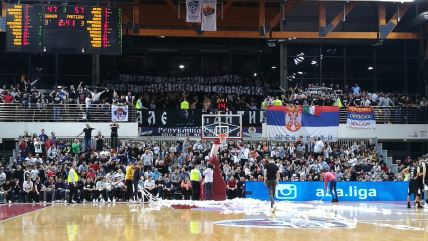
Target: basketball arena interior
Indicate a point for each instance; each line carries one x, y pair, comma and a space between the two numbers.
214, 120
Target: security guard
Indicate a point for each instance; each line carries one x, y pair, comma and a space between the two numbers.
263, 107
72, 180
184, 105
139, 104
277, 102
195, 179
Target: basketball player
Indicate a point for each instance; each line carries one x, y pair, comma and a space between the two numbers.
414, 183
424, 164
271, 178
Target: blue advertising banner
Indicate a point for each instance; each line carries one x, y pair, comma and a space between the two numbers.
347, 191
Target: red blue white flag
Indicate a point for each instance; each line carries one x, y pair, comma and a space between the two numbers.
288, 123
360, 117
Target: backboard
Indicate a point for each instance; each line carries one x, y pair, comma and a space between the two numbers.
229, 124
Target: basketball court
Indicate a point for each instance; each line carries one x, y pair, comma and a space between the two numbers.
227, 220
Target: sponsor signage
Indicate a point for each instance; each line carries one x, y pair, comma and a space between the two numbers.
191, 118
347, 191
251, 132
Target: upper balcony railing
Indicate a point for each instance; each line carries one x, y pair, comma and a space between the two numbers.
102, 113
59, 113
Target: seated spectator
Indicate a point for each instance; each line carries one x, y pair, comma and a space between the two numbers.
241, 187
29, 191
150, 186
61, 190
231, 188
88, 190
186, 188
118, 189
48, 190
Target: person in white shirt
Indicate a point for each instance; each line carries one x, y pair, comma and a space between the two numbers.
374, 97
38, 146
147, 159
208, 174
52, 152
119, 174
2, 176
99, 186
37, 159
96, 95
318, 147
367, 102
150, 186
243, 155
108, 189
29, 193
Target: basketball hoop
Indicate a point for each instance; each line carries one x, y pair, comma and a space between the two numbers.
222, 137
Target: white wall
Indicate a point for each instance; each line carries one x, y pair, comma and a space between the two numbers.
383, 132
387, 131
64, 129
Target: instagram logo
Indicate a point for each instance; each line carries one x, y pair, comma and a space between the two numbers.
286, 191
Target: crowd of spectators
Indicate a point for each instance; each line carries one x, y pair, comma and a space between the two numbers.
41, 170
322, 95
27, 94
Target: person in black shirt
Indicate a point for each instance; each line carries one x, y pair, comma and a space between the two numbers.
114, 134
99, 142
7, 191
136, 179
16, 194
271, 178
88, 134
88, 189
414, 183
241, 187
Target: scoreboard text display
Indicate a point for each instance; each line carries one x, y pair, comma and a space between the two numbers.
63, 29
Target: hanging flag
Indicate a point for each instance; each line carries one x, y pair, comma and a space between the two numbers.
311, 110
360, 117
209, 15
288, 123
193, 11
119, 113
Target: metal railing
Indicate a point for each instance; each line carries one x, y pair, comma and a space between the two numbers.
395, 115
102, 113
59, 113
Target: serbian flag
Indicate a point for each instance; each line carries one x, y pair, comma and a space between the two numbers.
288, 123
360, 117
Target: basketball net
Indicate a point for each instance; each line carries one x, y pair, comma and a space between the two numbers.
221, 138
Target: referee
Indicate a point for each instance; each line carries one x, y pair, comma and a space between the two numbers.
271, 177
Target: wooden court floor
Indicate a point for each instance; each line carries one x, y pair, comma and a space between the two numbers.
378, 221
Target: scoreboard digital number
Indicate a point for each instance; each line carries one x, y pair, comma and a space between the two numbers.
64, 29
64, 17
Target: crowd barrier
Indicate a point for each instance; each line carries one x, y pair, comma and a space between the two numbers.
174, 118
347, 191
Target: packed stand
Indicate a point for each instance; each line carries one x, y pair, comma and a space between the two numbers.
322, 95
48, 169
28, 95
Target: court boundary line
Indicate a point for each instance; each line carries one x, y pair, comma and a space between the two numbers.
19, 215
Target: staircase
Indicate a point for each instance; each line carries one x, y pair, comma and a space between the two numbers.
387, 159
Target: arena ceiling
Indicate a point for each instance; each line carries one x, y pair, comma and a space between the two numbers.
288, 19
